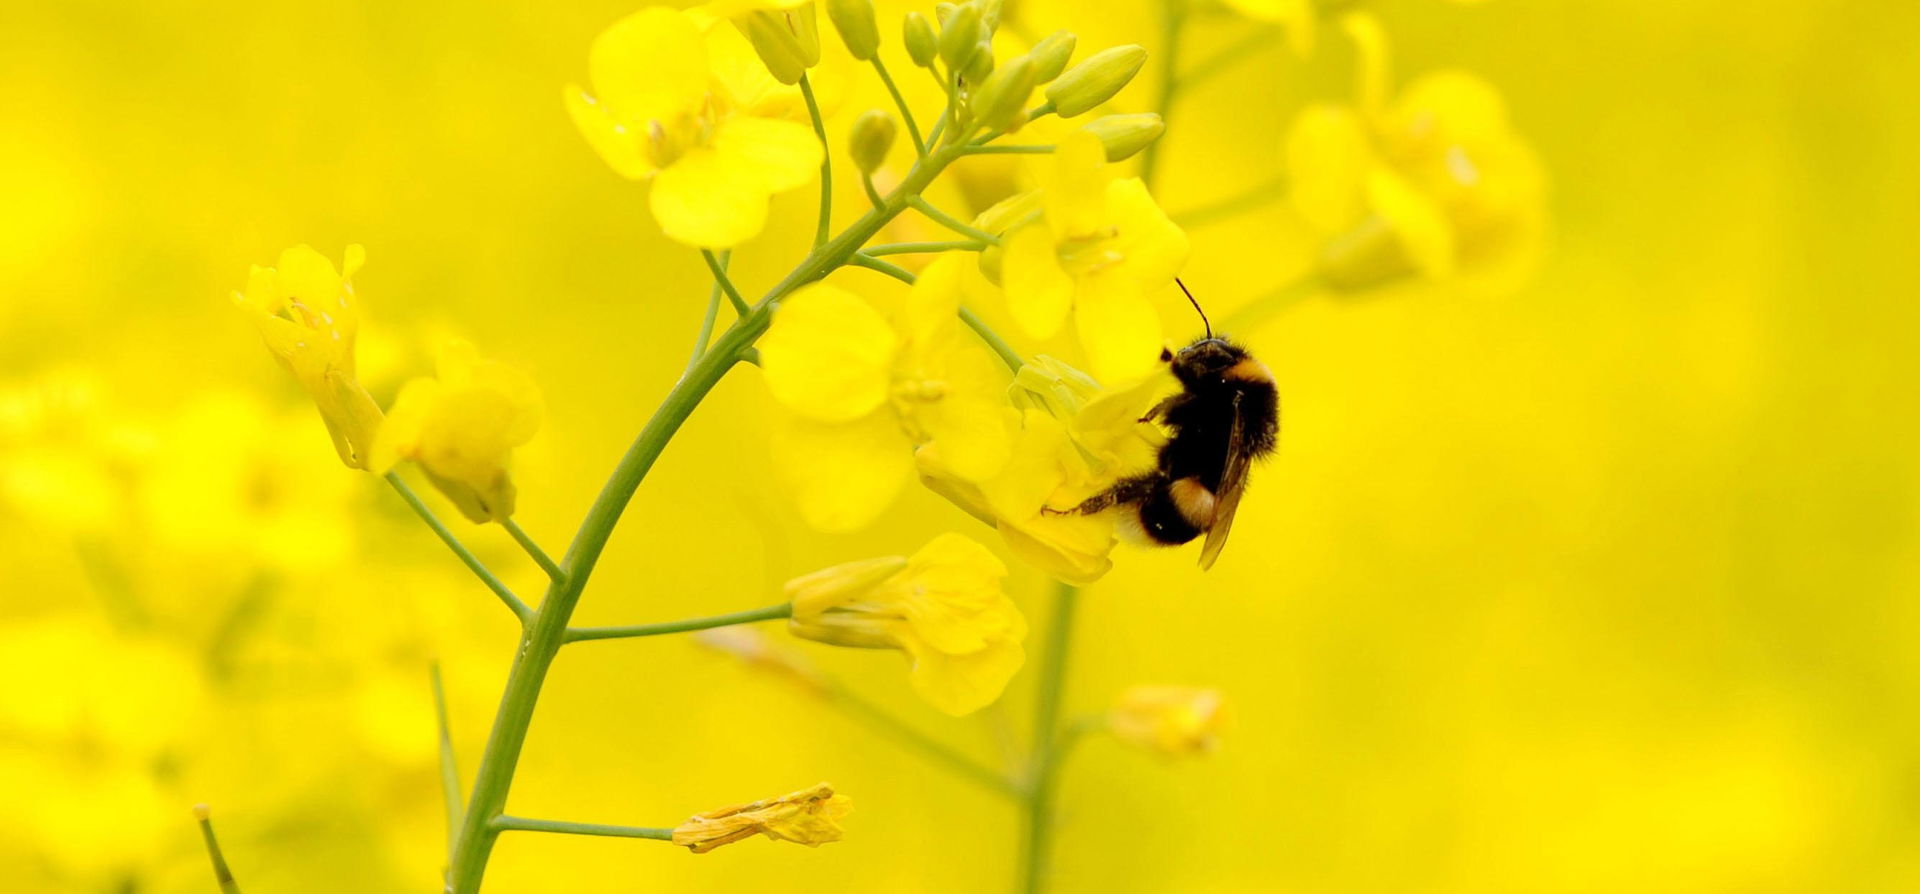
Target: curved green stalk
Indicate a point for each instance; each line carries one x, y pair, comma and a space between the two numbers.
900, 102
826, 164
1048, 745
513, 603
221, 874
532, 548
950, 222
629, 631
449, 771
720, 278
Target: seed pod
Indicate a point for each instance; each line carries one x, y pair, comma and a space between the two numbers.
1050, 55
1124, 135
858, 30
1003, 94
872, 136
1096, 79
959, 36
917, 34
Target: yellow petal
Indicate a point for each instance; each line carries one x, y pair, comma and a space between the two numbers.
650, 66
828, 354
622, 148
1152, 247
783, 155
704, 200
962, 684
1039, 293
842, 474
1118, 328
1419, 223
1451, 108
1075, 186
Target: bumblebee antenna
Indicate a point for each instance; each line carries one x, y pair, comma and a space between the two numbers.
1196, 306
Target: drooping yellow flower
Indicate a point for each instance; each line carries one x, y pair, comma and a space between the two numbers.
305, 311
681, 100
865, 384
944, 607
1075, 440
1173, 720
1433, 182
461, 428
1093, 249
810, 816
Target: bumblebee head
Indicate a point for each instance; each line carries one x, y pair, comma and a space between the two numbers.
1205, 361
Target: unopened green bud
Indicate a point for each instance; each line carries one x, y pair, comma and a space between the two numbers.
917, 34
1003, 95
989, 13
944, 11
980, 64
788, 41
1050, 55
1124, 135
855, 22
959, 36
872, 136
1096, 79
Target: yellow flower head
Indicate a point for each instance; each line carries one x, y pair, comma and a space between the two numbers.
810, 816
1075, 440
1173, 720
461, 428
681, 100
1433, 182
865, 384
1084, 246
304, 310
943, 606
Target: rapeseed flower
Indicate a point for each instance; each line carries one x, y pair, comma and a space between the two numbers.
1172, 720
1433, 182
683, 102
944, 607
810, 816
865, 384
1083, 246
461, 428
1075, 440
305, 311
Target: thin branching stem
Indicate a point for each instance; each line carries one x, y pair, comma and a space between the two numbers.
561, 827
721, 279
825, 225
466, 556
946, 756
629, 631
533, 549
1047, 742
712, 315
913, 248
873, 195
952, 223
1012, 149
1005, 351
900, 102
449, 770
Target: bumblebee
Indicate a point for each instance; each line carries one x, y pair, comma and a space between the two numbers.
1226, 415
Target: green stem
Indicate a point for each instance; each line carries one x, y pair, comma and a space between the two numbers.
533, 549
712, 315
769, 613
952, 223
1009, 150
900, 102
962, 765
1260, 196
862, 259
221, 874
548, 627
1008, 355
725, 282
873, 195
449, 771
1174, 18
562, 827
513, 603
1047, 743
826, 164
910, 248
1258, 40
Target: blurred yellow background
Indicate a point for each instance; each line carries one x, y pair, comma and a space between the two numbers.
1608, 585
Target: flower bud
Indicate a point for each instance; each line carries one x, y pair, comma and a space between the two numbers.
1003, 94
959, 36
980, 64
1124, 135
788, 41
917, 34
944, 11
1173, 720
1096, 79
873, 134
1050, 55
830, 605
989, 13
855, 22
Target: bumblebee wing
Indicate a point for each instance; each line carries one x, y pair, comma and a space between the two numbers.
1233, 482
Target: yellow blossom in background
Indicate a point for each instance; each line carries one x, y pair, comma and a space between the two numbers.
461, 428
1433, 182
1084, 247
1075, 440
1175, 721
810, 816
682, 101
305, 311
1294, 15
863, 385
943, 606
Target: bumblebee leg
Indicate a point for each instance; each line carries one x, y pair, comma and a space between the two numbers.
1160, 409
1126, 490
